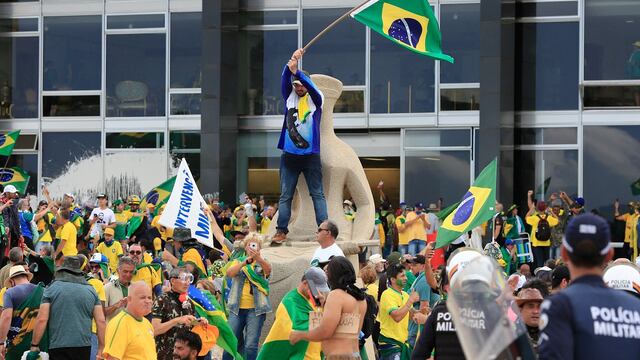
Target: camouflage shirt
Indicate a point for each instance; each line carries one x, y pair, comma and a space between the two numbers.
165, 308
557, 232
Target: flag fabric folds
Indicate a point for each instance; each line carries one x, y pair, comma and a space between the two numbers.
476, 207
206, 306
635, 188
158, 196
23, 322
292, 314
7, 142
408, 23
442, 214
260, 282
15, 176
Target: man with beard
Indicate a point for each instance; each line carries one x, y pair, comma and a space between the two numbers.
529, 301
187, 346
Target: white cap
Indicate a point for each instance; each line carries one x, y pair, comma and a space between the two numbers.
376, 259
10, 189
623, 276
70, 195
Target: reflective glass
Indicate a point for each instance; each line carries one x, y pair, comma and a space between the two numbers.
193, 159
185, 104
347, 39
435, 138
286, 17
545, 172
459, 25
261, 68
611, 96
547, 66
18, 77
71, 161
16, 25
401, 81
459, 99
135, 21
186, 50
88, 105
350, 101
430, 175
135, 140
546, 136
611, 44
72, 53
561, 8
29, 163
136, 75
611, 165
181, 140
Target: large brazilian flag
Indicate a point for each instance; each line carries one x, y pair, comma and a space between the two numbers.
292, 314
409, 23
476, 207
15, 176
8, 141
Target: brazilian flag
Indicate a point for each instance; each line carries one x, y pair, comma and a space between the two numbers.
15, 176
7, 142
158, 196
635, 188
476, 207
442, 214
292, 314
408, 23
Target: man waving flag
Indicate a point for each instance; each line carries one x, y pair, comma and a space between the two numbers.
476, 207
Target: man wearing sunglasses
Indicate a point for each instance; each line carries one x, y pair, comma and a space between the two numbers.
326, 236
170, 313
144, 271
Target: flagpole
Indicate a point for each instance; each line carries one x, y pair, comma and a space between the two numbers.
333, 24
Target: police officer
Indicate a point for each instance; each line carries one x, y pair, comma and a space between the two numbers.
589, 320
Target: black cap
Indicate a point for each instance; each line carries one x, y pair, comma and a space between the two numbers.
588, 227
419, 259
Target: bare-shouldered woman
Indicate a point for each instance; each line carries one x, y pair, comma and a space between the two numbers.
343, 314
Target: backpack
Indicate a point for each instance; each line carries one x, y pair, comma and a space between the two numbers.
543, 231
369, 316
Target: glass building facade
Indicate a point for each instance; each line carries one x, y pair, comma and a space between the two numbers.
111, 90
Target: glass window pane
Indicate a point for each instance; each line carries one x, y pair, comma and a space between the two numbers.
545, 172
136, 75
430, 175
287, 17
435, 138
546, 136
18, 77
193, 159
395, 86
265, 58
611, 166
186, 50
611, 96
135, 140
26, 142
180, 140
126, 173
459, 25
135, 21
71, 162
604, 57
562, 8
29, 163
459, 99
547, 66
347, 38
72, 53
15, 25
350, 101
185, 104
71, 105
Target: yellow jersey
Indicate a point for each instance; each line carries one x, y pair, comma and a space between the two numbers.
404, 232
112, 252
390, 301
147, 274
99, 287
69, 234
128, 338
43, 228
533, 220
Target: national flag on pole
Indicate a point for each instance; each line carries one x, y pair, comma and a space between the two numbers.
7, 142
206, 306
409, 23
635, 188
476, 207
442, 214
158, 196
543, 188
292, 314
15, 176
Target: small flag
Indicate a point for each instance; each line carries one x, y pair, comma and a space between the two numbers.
7, 142
476, 207
15, 176
409, 23
635, 188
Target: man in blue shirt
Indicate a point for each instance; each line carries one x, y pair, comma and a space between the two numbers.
300, 143
588, 320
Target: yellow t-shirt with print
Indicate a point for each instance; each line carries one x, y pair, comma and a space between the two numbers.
99, 287
405, 234
533, 220
128, 338
43, 228
392, 300
70, 235
147, 274
112, 253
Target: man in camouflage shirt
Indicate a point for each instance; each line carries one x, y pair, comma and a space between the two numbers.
557, 232
172, 311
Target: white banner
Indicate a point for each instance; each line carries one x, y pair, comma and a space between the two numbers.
184, 208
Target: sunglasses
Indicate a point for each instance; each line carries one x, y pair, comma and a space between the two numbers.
321, 229
134, 252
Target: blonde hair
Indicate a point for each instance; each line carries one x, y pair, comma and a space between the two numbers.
207, 285
252, 237
368, 274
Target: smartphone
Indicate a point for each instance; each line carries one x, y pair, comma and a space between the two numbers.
253, 246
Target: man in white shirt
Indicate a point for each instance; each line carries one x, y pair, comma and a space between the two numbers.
101, 218
326, 237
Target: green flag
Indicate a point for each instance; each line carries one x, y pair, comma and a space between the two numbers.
635, 188
543, 188
476, 207
15, 176
7, 142
442, 214
408, 23
158, 196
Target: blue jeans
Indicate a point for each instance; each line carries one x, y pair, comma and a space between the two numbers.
404, 249
246, 325
94, 346
415, 246
290, 168
392, 356
555, 252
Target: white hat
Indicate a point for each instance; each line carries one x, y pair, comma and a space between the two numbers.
376, 259
10, 189
458, 260
17, 270
542, 268
347, 202
70, 195
623, 276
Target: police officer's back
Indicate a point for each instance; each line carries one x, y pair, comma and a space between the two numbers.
588, 320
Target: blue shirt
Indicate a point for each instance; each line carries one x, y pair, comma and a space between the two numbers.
25, 223
300, 136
